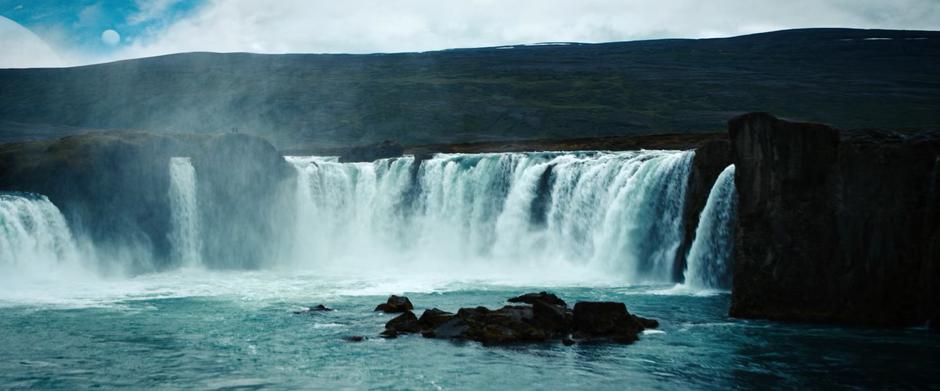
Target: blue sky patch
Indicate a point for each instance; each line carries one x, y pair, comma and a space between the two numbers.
80, 25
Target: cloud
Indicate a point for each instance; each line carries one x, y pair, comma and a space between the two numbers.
149, 10
418, 25
23, 49
90, 15
158, 27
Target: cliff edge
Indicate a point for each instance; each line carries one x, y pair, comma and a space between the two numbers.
835, 226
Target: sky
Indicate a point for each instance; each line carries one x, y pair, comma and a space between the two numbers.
48, 33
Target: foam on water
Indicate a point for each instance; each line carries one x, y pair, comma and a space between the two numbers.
36, 245
451, 222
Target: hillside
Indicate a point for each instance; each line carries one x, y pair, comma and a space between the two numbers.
847, 78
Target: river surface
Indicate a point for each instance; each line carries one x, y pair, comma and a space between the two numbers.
236, 330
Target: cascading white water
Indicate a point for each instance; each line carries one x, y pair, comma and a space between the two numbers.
185, 236
709, 259
611, 213
35, 240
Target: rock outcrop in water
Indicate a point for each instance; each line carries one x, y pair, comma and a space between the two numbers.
395, 304
405, 323
314, 309
835, 227
545, 318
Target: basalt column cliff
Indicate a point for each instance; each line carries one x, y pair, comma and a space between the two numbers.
835, 226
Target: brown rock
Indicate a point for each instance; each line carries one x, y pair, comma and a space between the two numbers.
605, 321
434, 317
405, 323
395, 304
544, 297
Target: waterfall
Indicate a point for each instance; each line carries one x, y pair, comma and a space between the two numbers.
613, 212
709, 260
185, 239
35, 240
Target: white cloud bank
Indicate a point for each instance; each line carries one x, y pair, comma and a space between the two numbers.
305, 26
20, 48
365, 26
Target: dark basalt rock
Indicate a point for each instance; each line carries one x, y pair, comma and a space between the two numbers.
605, 320
549, 312
395, 304
354, 338
645, 322
405, 323
835, 226
532, 298
544, 320
453, 328
710, 159
316, 308
507, 324
434, 317
552, 317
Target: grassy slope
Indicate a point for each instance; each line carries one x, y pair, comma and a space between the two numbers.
492, 94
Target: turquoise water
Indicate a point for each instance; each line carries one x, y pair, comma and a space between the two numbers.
237, 331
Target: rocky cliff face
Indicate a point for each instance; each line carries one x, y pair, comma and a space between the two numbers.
835, 227
710, 159
248, 184
113, 187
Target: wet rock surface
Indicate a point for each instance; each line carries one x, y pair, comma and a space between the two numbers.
433, 318
395, 304
542, 317
543, 297
605, 319
405, 323
710, 159
316, 308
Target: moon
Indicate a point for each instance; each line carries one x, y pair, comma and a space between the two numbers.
110, 37
21, 48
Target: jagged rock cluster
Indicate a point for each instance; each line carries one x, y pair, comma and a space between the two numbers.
533, 317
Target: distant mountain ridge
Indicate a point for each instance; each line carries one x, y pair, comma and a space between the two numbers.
845, 77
